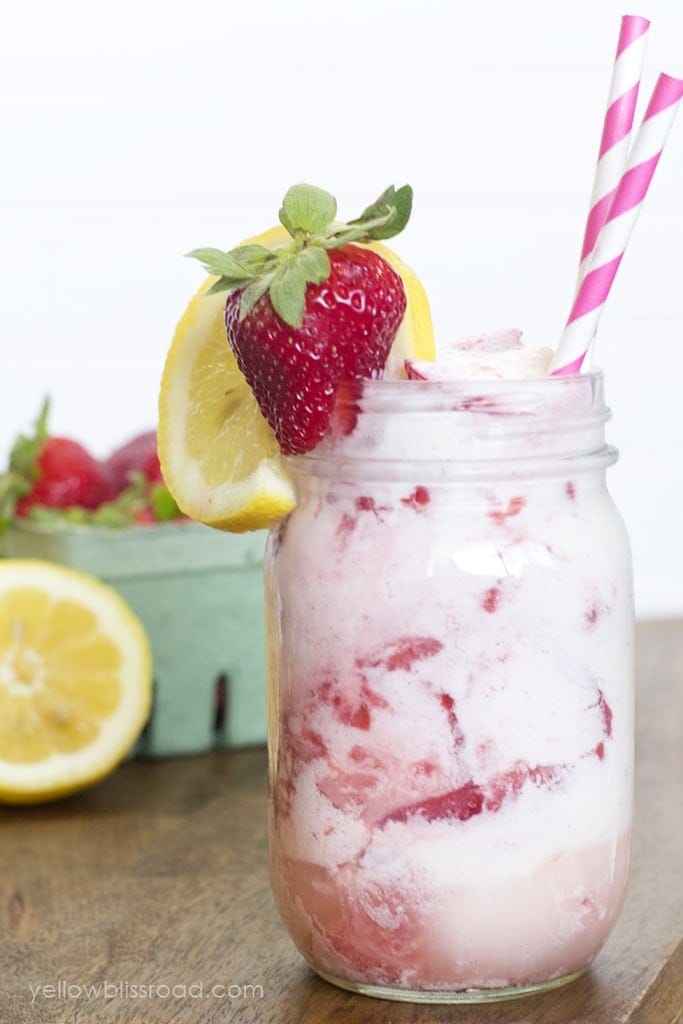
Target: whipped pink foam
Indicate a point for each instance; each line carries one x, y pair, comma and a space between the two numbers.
497, 355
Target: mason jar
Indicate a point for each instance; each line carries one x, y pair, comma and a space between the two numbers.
450, 659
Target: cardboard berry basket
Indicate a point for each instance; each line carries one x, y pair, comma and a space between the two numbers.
198, 593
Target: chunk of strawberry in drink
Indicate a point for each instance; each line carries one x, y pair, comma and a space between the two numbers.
402, 654
461, 803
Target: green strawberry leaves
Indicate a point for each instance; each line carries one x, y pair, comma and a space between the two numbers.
307, 210
288, 290
163, 503
387, 215
139, 498
307, 213
12, 488
23, 467
286, 279
222, 263
23, 458
314, 264
251, 294
234, 269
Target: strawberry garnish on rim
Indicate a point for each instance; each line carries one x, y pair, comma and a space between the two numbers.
303, 319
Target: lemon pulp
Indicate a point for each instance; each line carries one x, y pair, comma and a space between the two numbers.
75, 680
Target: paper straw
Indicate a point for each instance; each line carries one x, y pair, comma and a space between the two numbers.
616, 130
613, 239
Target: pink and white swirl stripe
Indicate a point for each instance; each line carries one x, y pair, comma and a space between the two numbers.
616, 131
616, 231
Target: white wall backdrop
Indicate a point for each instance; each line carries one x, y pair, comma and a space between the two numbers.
131, 133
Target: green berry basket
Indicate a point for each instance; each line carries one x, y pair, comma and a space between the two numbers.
198, 593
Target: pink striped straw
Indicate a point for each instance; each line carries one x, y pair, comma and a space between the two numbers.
613, 239
616, 131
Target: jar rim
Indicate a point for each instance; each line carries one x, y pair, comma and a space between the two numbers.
385, 395
520, 426
551, 379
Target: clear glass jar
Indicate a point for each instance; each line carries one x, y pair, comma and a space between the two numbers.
450, 626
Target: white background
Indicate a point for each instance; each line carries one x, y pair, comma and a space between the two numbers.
133, 132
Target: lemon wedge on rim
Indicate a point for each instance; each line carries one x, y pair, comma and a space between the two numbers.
219, 456
75, 680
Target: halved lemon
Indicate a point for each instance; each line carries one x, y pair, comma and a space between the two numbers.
218, 455
75, 680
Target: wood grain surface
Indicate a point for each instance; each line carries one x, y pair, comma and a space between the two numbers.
157, 877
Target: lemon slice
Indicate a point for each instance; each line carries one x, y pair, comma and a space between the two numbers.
416, 333
219, 457
75, 680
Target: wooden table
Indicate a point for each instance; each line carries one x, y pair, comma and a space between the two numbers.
157, 877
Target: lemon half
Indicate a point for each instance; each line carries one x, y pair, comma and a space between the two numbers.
219, 457
75, 680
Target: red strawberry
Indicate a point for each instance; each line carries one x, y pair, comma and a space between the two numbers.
54, 480
349, 324
345, 413
402, 654
139, 455
134, 473
52, 472
307, 318
462, 803
66, 475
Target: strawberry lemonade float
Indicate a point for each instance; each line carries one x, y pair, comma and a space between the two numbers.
449, 611
450, 621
